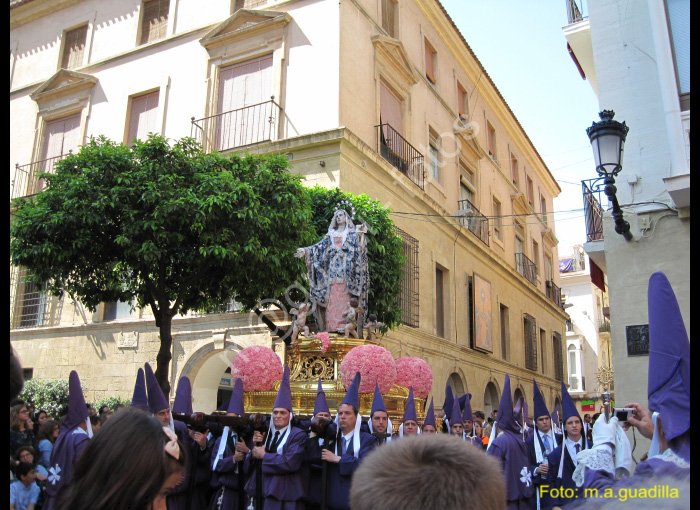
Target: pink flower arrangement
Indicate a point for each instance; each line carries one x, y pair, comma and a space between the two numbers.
325, 339
414, 372
375, 364
258, 367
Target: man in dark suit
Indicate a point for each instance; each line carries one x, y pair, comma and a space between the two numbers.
540, 445
563, 460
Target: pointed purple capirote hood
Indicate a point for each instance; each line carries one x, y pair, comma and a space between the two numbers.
669, 359
409, 412
467, 414
284, 395
540, 406
518, 410
352, 396
139, 400
456, 412
321, 406
430, 415
568, 408
377, 401
449, 400
235, 405
77, 410
183, 397
505, 420
156, 399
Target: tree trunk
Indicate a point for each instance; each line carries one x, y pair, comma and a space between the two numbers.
165, 353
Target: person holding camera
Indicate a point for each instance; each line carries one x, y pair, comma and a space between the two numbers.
668, 395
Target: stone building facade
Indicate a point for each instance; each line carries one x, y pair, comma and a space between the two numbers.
378, 97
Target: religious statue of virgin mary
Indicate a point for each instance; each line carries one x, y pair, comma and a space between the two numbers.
338, 270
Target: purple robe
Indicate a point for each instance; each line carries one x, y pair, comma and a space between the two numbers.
282, 475
224, 478
65, 454
340, 474
512, 452
177, 499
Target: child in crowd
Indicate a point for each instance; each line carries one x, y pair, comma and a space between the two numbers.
24, 493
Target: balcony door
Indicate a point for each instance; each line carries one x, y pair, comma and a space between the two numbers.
60, 137
244, 104
391, 109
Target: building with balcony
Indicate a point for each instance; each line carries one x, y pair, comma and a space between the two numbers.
384, 98
588, 346
636, 57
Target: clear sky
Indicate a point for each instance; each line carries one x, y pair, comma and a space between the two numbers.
523, 49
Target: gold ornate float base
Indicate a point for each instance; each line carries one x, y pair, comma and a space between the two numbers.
307, 363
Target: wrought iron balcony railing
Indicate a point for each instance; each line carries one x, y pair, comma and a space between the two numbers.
27, 179
470, 217
402, 155
554, 293
238, 128
575, 10
592, 210
526, 267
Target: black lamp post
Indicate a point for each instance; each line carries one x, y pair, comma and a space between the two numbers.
608, 142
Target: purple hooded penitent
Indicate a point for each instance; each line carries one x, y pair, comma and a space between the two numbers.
284, 395
77, 411
510, 448
235, 405
321, 406
669, 361
409, 412
156, 399
183, 397
70, 443
139, 400
540, 406
518, 410
430, 415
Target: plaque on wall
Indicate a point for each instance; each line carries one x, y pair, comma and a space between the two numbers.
127, 340
638, 340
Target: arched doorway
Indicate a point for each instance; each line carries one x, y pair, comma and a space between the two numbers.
456, 384
211, 379
491, 399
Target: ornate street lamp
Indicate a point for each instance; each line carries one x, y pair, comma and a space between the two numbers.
608, 142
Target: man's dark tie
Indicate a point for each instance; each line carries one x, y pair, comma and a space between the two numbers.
578, 447
275, 443
350, 450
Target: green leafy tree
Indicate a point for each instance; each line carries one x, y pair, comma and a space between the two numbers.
384, 247
168, 226
112, 402
49, 395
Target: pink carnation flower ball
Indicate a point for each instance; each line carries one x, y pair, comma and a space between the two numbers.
414, 372
258, 367
375, 364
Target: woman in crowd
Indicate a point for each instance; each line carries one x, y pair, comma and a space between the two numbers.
21, 433
39, 418
48, 432
479, 438
131, 464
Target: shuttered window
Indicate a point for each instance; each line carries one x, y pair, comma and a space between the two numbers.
154, 20
430, 62
390, 108
245, 92
74, 47
389, 17
143, 118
